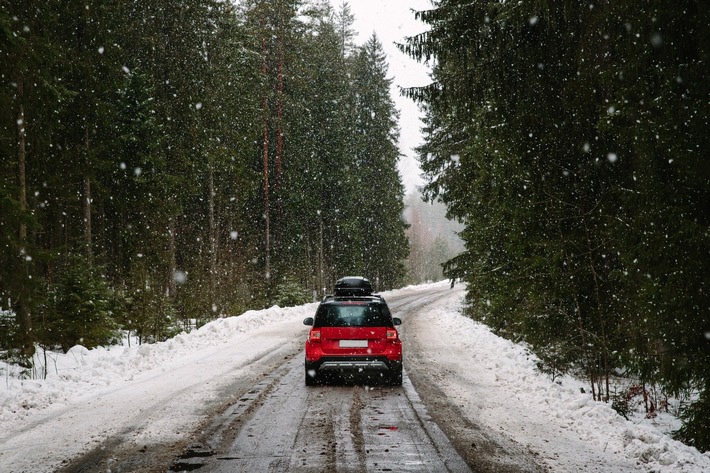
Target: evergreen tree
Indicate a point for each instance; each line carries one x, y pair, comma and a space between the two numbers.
384, 246
568, 139
81, 309
29, 90
139, 141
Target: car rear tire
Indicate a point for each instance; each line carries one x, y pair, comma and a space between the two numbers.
396, 378
311, 380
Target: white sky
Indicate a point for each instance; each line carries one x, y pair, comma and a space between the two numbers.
392, 21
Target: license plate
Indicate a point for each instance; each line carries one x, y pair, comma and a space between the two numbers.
353, 343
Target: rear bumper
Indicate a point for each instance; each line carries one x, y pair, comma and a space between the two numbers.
354, 365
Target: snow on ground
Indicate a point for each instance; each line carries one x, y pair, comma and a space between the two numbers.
496, 383
150, 394
81, 372
89, 395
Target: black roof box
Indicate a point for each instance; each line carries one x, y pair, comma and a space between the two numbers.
353, 286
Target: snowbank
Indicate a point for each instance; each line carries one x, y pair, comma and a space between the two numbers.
492, 380
80, 372
497, 381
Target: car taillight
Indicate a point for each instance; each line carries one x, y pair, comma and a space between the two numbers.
391, 334
315, 335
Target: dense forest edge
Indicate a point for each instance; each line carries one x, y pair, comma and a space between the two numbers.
165, 163
572, 141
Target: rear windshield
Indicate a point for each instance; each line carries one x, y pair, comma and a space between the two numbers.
353, 315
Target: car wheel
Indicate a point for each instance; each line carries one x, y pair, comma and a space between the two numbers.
396, 378
311, 378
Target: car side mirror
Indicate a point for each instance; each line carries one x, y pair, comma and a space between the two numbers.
396, 321
308, 321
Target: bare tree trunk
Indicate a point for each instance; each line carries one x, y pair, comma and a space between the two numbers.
22, 312
118, 235
580, 322
172, 262
267, 231
600, 315
87, 199
21, 161
213, 237
279, 134
278, 230
321, 289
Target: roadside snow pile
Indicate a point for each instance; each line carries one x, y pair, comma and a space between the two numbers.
553, 418
81, 372
493, 382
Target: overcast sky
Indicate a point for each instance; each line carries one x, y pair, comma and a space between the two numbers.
392, 20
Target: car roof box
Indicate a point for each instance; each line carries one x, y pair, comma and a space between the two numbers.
353, 286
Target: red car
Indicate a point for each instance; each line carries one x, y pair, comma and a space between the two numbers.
353, 336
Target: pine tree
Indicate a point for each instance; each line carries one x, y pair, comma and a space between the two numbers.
29, 54
81, 309
132, 135
568, 139
384, 246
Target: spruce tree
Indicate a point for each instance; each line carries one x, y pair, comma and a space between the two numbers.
380, 193
568, 139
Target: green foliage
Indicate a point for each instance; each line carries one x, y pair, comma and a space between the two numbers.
151, 316
383, 245
152, 133
9, 330
696, 423
290, 293
80, 309
340, 146
572, 142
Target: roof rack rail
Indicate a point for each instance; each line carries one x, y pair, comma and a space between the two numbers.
356, 297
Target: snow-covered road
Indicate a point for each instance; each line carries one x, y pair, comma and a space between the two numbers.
155, 395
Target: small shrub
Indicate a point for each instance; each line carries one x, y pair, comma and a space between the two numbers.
696, 424
80, 309
289, 293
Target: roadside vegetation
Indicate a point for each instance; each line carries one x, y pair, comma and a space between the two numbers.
165, 163
571, 140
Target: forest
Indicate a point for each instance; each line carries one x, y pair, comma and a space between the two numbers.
167, 162
571, 139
